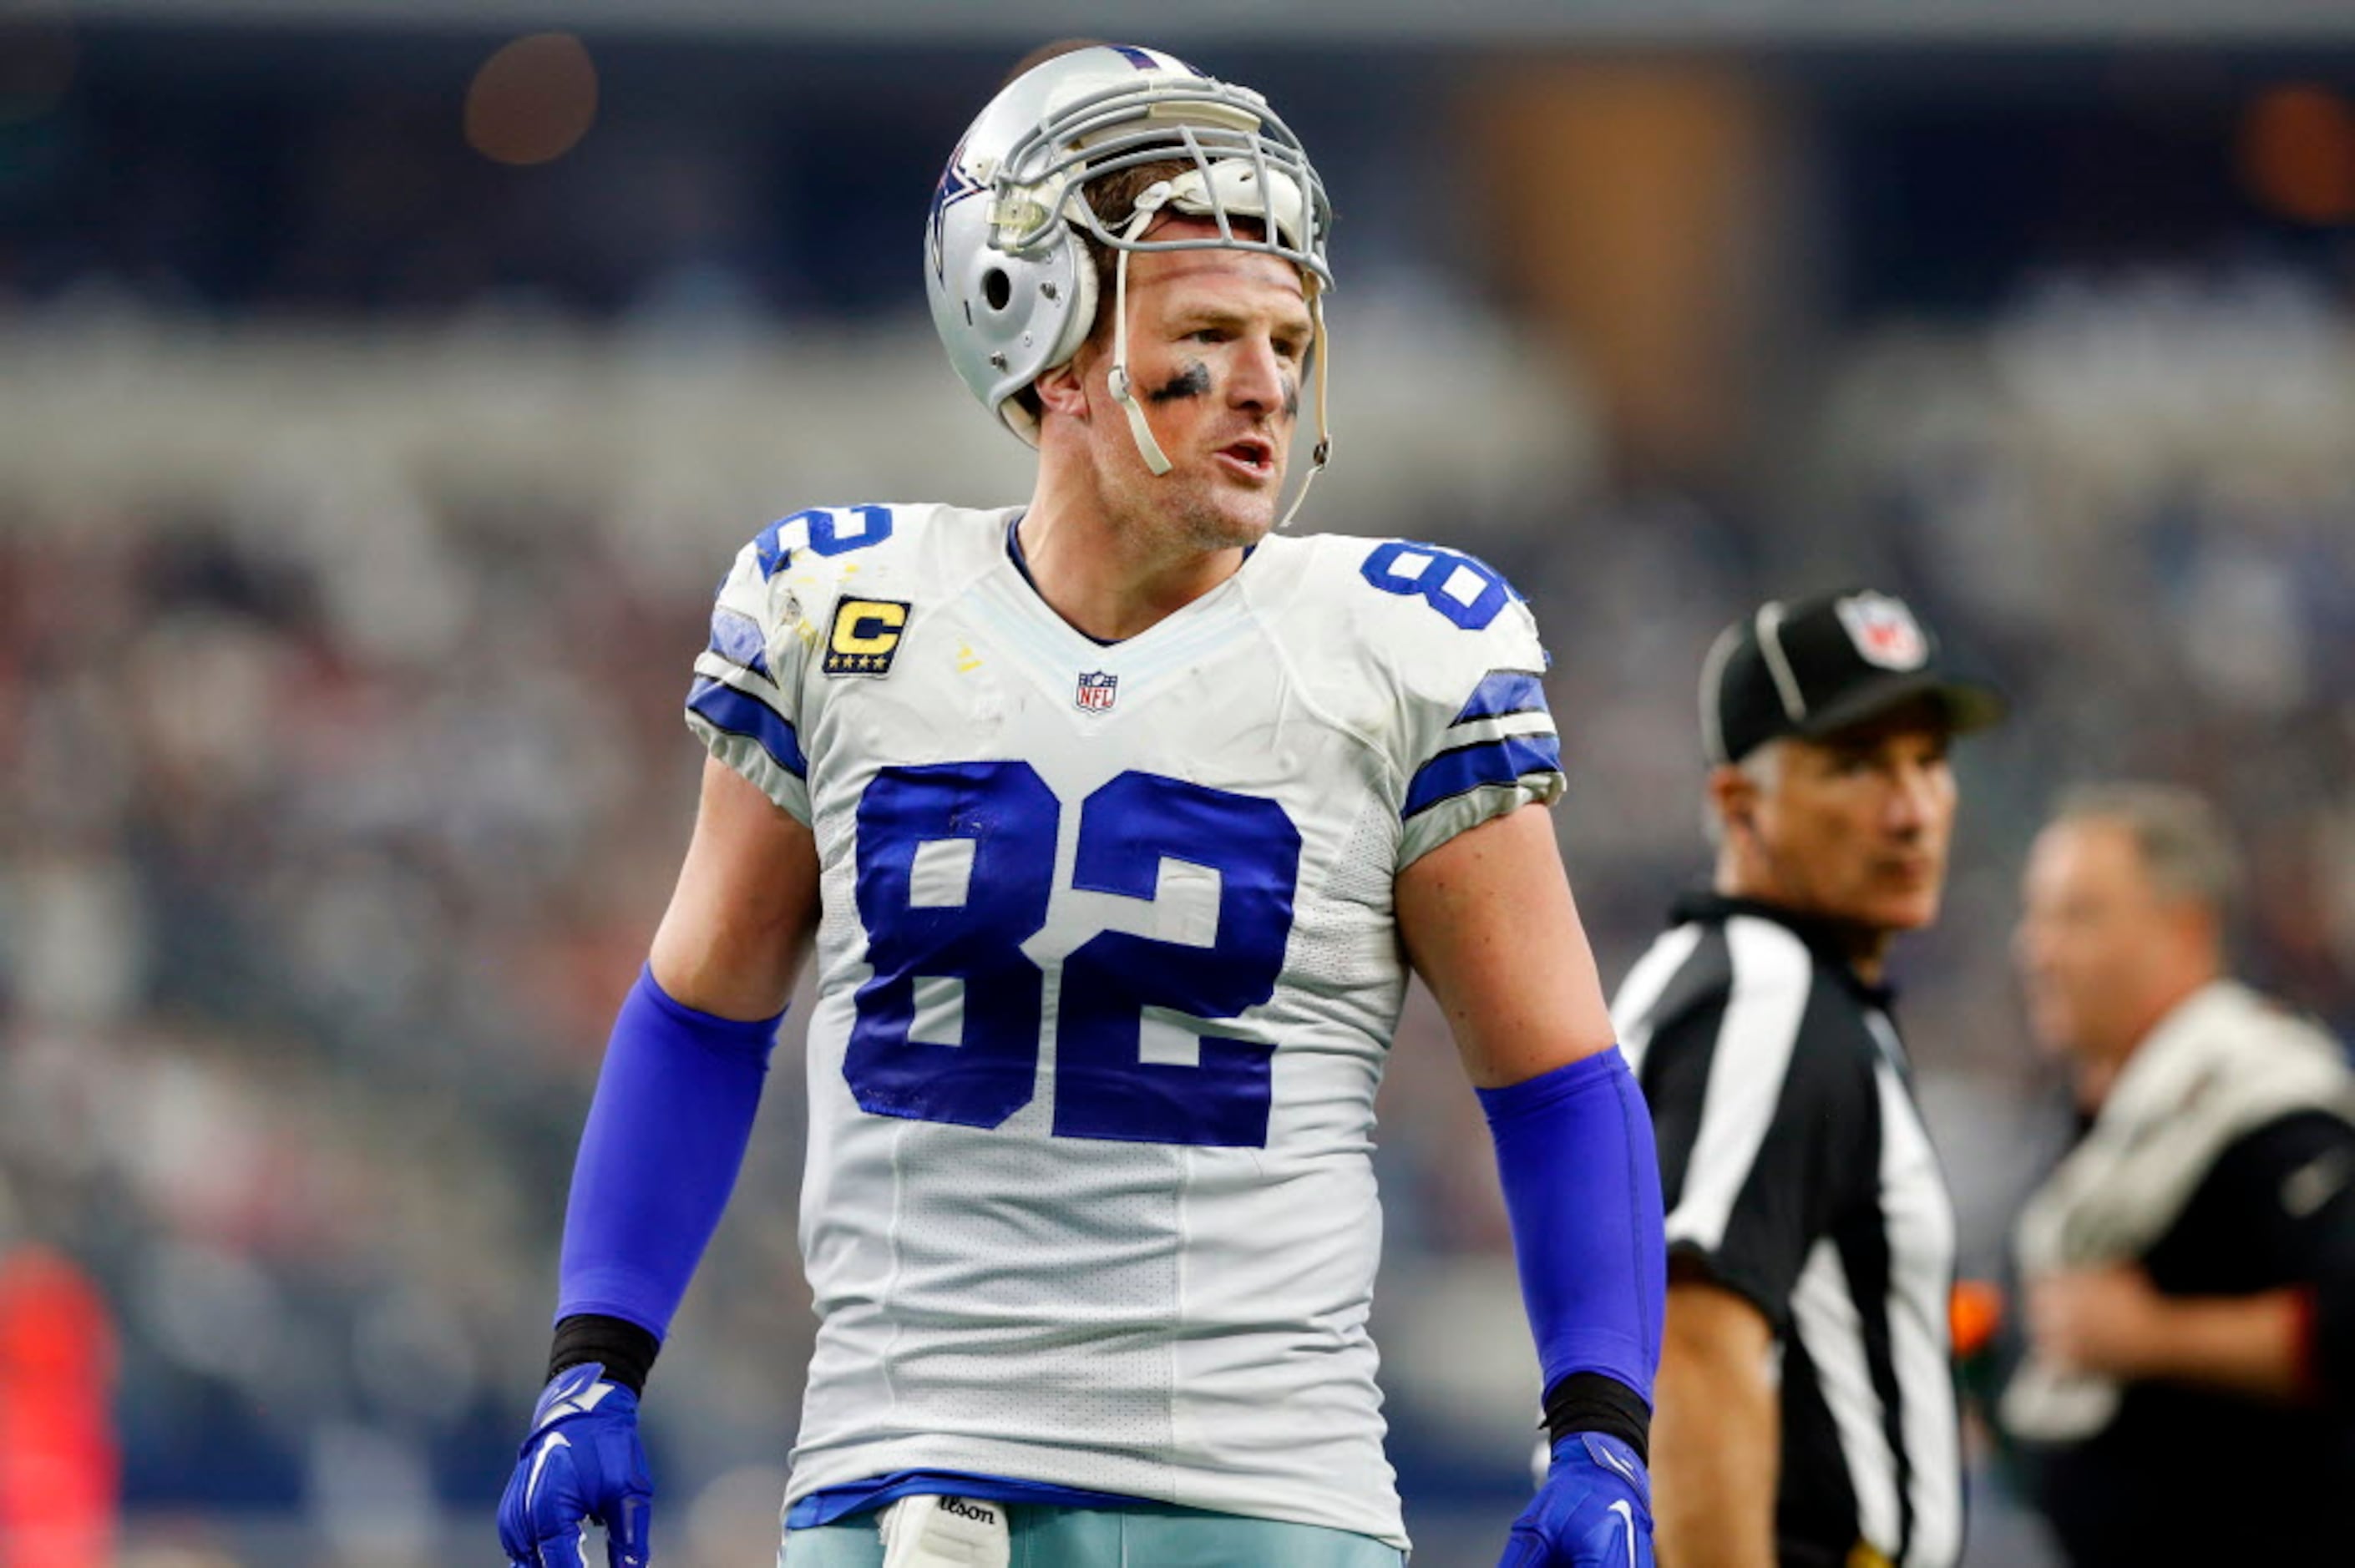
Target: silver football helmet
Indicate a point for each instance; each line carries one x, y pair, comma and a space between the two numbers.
1012, 287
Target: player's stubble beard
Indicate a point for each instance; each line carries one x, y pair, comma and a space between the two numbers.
1199, 525
1192, 511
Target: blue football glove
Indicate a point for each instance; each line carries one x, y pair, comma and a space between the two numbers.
1592, 1510
583, 1462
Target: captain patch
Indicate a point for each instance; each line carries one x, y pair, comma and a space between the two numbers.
865, 636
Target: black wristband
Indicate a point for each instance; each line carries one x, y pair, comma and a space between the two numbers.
626, 1350
1590, 1401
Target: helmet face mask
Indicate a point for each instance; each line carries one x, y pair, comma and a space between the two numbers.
1012, 285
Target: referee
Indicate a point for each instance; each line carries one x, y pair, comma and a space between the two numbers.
1806, 1412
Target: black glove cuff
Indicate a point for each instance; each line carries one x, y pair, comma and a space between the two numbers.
626, 1350
1590, 1401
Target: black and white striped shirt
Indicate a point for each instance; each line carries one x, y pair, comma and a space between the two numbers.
1797, 1173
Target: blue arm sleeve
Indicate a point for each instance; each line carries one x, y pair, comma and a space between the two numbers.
1582, 1188
665, 1137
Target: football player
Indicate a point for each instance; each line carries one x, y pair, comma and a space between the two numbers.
1115, 819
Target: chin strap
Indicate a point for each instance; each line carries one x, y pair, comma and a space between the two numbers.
1320, 348
1149, 202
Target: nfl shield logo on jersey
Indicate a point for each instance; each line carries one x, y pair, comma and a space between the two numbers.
1098, 691
1885, 631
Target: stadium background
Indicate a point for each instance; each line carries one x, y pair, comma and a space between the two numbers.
380, 397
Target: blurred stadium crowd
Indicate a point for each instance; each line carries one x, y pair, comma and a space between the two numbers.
354, 548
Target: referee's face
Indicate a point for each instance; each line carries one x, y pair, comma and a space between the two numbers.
1855, 827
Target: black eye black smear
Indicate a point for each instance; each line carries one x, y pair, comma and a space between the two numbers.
1192, 380
1291, 399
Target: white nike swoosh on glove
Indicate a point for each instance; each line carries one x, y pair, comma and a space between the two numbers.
1627, 1517
539, 1462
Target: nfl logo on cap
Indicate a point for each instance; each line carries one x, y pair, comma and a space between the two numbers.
1097, 690
1885, 631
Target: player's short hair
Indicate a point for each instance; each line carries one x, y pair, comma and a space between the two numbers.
2181, 839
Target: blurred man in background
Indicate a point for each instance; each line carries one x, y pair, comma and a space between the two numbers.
1809, 1226
1111, 819
2191, 1266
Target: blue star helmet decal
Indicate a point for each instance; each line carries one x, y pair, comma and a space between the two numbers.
954, 186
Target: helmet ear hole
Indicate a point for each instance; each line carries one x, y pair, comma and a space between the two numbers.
996, 288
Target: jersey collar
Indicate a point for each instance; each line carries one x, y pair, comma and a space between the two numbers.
1824, 938
1022, 564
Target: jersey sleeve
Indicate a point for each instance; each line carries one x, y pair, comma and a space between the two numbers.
744, 704
2288, 1191
1477, 738
1757, 1136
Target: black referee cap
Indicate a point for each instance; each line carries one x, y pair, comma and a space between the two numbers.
1812, 666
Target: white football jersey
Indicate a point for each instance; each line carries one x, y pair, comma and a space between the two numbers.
1108, 970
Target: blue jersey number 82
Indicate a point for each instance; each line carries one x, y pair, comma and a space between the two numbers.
1104, 1087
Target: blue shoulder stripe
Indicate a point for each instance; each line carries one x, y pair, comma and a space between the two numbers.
726, 708
1467, 767
1503, 693
737, 638
770, 550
